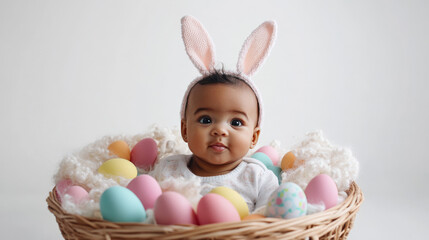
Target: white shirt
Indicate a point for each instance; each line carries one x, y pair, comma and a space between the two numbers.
251, 179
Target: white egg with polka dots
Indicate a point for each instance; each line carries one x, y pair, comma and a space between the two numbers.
288, 201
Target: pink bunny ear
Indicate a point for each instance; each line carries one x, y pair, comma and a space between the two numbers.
256, 48
198, 44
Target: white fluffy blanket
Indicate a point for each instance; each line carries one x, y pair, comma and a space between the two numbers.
318, 155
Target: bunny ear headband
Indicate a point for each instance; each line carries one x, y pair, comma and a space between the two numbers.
200, 50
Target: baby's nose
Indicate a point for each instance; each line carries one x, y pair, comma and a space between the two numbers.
219, 130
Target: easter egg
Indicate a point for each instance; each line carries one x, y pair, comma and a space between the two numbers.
120, 148
77, 193
146, 188
213, 208
277, 171
61, 187
288, 201
271, 153
322, 189
262, 157
235, 198
288, 161
119, 204
253, 216
118, 167
144, 153
172, 208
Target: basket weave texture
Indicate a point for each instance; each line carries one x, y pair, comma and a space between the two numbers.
334, 223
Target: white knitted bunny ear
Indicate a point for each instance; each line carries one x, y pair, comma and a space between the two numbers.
256, 48
198, 44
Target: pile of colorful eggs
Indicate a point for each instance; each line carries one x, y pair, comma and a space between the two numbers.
124, 164
289, 200
221, 204
129, 204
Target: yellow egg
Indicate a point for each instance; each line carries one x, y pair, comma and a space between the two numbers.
118, 167
120, 148
235, 198
288, 161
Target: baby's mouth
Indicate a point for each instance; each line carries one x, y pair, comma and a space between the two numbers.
218, 147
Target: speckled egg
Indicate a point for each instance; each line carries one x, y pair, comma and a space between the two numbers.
288, 201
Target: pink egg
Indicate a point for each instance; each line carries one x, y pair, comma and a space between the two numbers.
322, 189
213, 208
146, 188
271, 153
62, 186
78, 193
144, 153
172, 208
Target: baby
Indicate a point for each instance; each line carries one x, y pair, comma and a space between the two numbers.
221, 117
220, 124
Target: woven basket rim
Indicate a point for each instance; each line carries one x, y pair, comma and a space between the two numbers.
314, 225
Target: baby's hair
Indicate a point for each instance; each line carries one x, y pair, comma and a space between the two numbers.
217, 77
220, 76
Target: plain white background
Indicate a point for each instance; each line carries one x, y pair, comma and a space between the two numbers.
74, 71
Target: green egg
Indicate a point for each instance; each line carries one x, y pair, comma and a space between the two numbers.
277, 171
119, 204
262, 157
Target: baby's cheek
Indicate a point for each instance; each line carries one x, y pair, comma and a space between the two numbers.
243, 143
194, 146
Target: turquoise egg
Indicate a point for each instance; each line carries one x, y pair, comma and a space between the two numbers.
119, 204
288, 201
262, 157
277, 171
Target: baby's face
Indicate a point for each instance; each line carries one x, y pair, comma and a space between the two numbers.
220, 125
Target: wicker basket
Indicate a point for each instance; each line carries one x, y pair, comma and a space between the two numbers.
334, 223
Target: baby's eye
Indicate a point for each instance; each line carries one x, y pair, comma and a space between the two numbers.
205, 120
236, 123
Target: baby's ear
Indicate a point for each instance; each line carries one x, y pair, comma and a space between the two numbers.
256, 48
183, 130
255, 137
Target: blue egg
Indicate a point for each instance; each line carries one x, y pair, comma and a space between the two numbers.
263, 158
119, 204
277, 171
